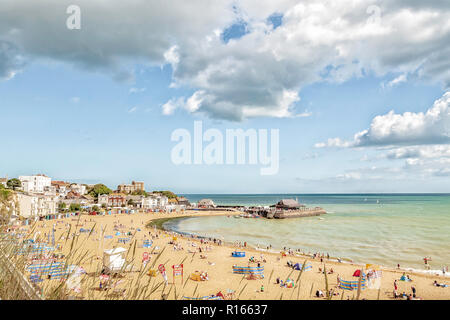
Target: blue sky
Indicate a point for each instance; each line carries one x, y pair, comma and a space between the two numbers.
74, 120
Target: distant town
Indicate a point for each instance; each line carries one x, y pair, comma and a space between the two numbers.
38, 197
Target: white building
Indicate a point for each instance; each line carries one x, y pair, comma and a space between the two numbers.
103, 199
35, 206
155, 201
36, 183
78, 188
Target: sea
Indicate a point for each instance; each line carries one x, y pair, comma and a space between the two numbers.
384, 229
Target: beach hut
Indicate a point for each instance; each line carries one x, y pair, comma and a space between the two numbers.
113, 259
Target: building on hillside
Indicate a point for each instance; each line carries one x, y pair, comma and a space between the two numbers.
130, 188
102, 200
135, 201
78, 188
149, 203
155, 201
36, 183
112, 200
34, 206
206, 203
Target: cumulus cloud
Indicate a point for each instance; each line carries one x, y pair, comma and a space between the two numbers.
136, 90
409, 128
261, 72
132, 109
11, 62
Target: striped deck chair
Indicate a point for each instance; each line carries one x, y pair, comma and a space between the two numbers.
46, 269
34, 278
249, 270
147, 244
124, 240
352, 285
203, 298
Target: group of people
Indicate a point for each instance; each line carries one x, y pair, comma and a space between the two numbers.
404, 295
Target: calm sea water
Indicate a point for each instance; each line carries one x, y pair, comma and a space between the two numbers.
378, 228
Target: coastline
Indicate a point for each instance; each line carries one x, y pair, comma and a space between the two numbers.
277, 251
216, 261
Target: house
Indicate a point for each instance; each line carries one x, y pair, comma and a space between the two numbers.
78, 188
149, 202
36, 205
206, 203
135, 201
155, 201
130, 188
36, 183
112, 200
61, 187
103, 199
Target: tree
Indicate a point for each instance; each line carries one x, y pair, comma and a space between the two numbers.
99, 189
168, 194
95, 208
7, 205
14, 183
62, 206
140, 193
75, 207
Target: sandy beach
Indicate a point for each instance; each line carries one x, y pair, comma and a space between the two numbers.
217, 263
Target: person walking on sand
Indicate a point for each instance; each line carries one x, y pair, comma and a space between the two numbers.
395, 285
413, 291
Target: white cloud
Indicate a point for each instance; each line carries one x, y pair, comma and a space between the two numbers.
137, 90
257, 75
409, 128
132, 109
170, 106
75, 99
333, 143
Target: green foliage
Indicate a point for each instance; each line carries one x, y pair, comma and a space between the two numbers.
168, 194
75, 207
95, 208
98, 189
140, 193
14, 183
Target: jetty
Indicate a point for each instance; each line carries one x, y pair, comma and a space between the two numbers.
286, 208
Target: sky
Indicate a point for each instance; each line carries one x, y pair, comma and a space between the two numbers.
358, 90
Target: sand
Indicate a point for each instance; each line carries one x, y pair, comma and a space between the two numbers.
218, 265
